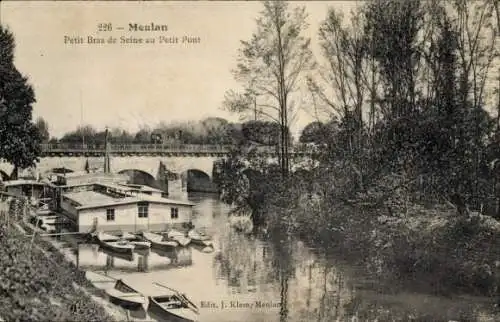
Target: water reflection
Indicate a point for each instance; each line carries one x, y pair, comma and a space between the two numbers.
298, 283
311, 288
93, 257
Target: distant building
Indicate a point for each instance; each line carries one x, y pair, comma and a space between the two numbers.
31, 189
114, 207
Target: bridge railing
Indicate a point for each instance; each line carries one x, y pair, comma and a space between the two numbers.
75, 147
173, 148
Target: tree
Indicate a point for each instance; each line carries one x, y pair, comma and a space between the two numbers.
120, 136
19, 137
344, 71
83, 134
314, 132
270, 66
217, 130
143, 135
261, 132
43, 127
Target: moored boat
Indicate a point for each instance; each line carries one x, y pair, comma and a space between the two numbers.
100, 236
118, 246
129, 257
100, 281
127, 236
173, 306
178, 237
200, 238
124, 295
158, 242
141, 244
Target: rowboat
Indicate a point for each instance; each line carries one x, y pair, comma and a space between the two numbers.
173, 306
118, 246
124, 295
200, 238
129, 257
105, 237
158, 242
141, 244
100, 281
178, 237
127, 236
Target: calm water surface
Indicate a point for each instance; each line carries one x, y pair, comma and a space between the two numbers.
246, 279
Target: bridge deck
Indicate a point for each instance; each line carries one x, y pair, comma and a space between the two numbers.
145, 149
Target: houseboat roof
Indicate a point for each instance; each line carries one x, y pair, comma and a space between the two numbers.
93, 199
89, 178
118, 187
139, 187
12, 183
129, 187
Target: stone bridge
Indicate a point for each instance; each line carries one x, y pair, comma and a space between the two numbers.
142, 162
142, 169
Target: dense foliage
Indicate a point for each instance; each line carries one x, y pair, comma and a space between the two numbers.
211, 130
19, 137
409, 138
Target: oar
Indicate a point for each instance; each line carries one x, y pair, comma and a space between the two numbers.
182, 296
132, 295
89, 279
103, 281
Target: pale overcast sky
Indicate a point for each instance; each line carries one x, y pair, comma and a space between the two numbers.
131, 85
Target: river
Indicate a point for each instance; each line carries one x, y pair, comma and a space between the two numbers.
247, 279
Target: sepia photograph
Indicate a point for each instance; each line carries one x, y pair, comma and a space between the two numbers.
254, 161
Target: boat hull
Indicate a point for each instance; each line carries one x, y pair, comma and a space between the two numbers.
125, 296
141, 245
116, 249
125, 256
157, 242
201, 242
165, 246
170, 315
179, 237
124, 302
199, 239
181, 240
99, 281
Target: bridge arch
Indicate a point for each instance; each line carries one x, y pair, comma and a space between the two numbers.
141, 177
197, 180
197, 173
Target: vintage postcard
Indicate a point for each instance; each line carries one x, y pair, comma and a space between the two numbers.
251, 161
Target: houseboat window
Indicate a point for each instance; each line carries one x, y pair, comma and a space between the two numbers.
110, 214
174, 213
142, 210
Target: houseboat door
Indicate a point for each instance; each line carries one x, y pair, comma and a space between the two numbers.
142, 218
135, 224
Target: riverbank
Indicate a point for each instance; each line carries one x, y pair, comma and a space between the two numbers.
37, 283
57, 253
433, 249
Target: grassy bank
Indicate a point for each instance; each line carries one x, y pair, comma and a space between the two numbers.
38, 284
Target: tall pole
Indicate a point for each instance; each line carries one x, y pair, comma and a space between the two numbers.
255, 108
81, 118
106, 153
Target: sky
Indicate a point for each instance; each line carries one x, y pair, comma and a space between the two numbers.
134, 85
